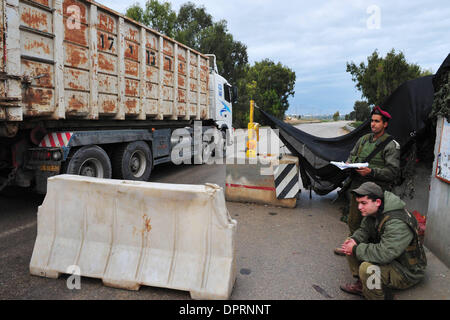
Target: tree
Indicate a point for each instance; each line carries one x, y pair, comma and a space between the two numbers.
135, 12
231, 55
194, 27
270, 85
362, 110
156, 15
350, 116
336, 116
381, 76
191, 20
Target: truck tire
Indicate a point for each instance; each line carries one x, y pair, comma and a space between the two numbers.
91, 161
132, 161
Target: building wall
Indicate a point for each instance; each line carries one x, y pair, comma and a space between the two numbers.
437, 235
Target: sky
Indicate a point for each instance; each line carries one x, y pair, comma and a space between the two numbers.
317, 38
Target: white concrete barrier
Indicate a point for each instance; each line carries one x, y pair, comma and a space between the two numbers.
137, 233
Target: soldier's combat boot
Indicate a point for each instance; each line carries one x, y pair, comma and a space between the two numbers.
338, 251
353, 288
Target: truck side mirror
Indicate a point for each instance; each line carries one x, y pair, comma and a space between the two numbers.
235, 94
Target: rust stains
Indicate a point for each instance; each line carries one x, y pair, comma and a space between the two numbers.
35, 19
181, 110
152, 74
182, 68
132, 106
45, 72
181, 81
2, 90
152, 43
109, 106
107, 84
152, 90
203, 76
132, 68
193, 59
106, 42
106, 23
203, 113
75, 105
37, 45
181, 96
132, 34
193, 73
149, 73
168, 64
105, 64
75, 35
44, 2
35, 97
147, 225
75, 86
76, 56
168, 47
168, 78
131, 50
131, 87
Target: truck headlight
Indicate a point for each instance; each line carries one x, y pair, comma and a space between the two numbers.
57, 155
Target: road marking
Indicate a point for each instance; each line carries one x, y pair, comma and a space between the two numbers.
18, 229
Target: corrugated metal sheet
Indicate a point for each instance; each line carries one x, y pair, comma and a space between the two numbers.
82, 60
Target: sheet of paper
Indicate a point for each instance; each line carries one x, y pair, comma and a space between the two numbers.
343, 165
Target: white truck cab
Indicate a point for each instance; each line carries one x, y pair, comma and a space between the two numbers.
222, 96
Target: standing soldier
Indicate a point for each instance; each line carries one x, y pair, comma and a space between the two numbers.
382, 153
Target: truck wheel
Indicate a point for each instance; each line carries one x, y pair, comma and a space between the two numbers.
132, 161
90, 161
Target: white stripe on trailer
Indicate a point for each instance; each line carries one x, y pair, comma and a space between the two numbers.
47, 141
64, 137
57, 138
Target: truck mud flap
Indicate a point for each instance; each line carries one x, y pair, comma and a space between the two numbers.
130, 233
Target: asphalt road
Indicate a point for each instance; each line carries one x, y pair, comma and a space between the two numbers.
281, 253
325, 129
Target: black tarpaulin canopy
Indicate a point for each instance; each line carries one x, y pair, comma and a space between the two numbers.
409, 106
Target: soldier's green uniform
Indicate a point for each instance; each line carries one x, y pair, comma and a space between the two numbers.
390, 241
385, 167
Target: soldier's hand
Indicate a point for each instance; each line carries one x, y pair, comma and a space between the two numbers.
364, 171
347, 246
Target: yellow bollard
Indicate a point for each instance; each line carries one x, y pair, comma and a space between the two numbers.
253, 130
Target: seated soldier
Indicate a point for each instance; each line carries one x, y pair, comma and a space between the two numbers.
384, 253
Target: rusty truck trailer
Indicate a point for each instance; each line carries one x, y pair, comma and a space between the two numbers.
75, 68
